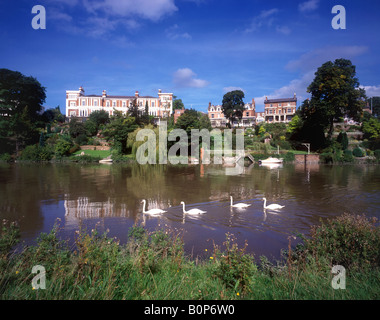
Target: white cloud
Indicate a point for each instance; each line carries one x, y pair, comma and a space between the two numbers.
174, 33
296, 86
265, 18
372, 91
185, 78
284, 30
308, 6
315, 58
148, 9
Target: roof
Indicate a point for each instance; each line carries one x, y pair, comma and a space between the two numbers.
280, 100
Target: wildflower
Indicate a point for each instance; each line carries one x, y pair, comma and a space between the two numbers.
211, 258
205, 249
238, 294
17, 272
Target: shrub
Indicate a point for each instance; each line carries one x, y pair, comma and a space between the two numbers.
352, 241
235, 267
377, 154
37, 153
358, 152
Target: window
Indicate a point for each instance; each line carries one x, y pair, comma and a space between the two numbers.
83, 102
212, 115
72, 104
108, 104
95, 103
152, 103
279, 111
247, 114
124, 103
279, 104
73, 113
114, 103
289, 110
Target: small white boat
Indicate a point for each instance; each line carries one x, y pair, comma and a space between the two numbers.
106, 161
271, 160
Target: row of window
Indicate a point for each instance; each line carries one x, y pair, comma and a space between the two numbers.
271, 111
108, 103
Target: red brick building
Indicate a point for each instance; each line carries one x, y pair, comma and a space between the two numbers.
280, 110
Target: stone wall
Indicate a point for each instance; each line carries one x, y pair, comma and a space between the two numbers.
306, 158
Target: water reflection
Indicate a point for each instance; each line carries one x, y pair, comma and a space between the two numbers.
84, 194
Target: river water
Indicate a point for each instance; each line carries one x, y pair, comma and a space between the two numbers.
109, 197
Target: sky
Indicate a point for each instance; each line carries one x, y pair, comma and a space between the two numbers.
196, 49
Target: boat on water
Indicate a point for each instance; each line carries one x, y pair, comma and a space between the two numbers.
105, 161
271, 160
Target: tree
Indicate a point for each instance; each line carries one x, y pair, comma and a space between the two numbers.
343, 140
117, 130
335, 93
371, 128
233, 106
21, 100
177, 103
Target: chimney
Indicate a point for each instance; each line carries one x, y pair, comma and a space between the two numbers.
104, 94
159, 90
295, 96
81, 90
209, 105
136, 94
266, 98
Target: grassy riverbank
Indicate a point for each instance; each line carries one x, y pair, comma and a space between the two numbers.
153, 265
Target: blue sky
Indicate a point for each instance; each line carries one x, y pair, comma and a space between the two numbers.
197, 49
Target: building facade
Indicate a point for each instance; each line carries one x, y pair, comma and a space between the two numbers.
218, 119
280, 110
80, 105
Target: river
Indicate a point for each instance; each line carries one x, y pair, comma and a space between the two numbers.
109, 197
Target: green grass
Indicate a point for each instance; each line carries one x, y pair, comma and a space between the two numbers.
94, 153
153, 265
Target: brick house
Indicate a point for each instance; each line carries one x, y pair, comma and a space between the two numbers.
280, 110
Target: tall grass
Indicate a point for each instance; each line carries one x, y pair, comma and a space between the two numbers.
153, 265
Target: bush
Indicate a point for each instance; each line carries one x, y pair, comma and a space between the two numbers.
347, 156
37, 153
377, 154
358, 152
352, 241
62, 147
235, 267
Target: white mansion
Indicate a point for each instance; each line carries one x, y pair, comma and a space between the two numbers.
80, 105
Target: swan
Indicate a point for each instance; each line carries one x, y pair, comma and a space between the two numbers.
192, 211
239, 205
273, 206
152, 212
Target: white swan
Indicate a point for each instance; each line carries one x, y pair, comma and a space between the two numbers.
273, 206
152, 212
192, 211
239, 205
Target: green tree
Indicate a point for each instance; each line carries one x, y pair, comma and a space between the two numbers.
335, 93
233, 106
21, 100
177, 103
343, 140
117, 130
371, 128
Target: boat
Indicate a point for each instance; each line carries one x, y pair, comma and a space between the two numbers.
271, 160
106, 160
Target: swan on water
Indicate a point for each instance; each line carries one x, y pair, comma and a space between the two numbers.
273, 206
239, 205
152, 212
192, 211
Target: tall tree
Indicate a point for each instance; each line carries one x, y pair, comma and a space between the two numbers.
335, 93
233, 105
21, 100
